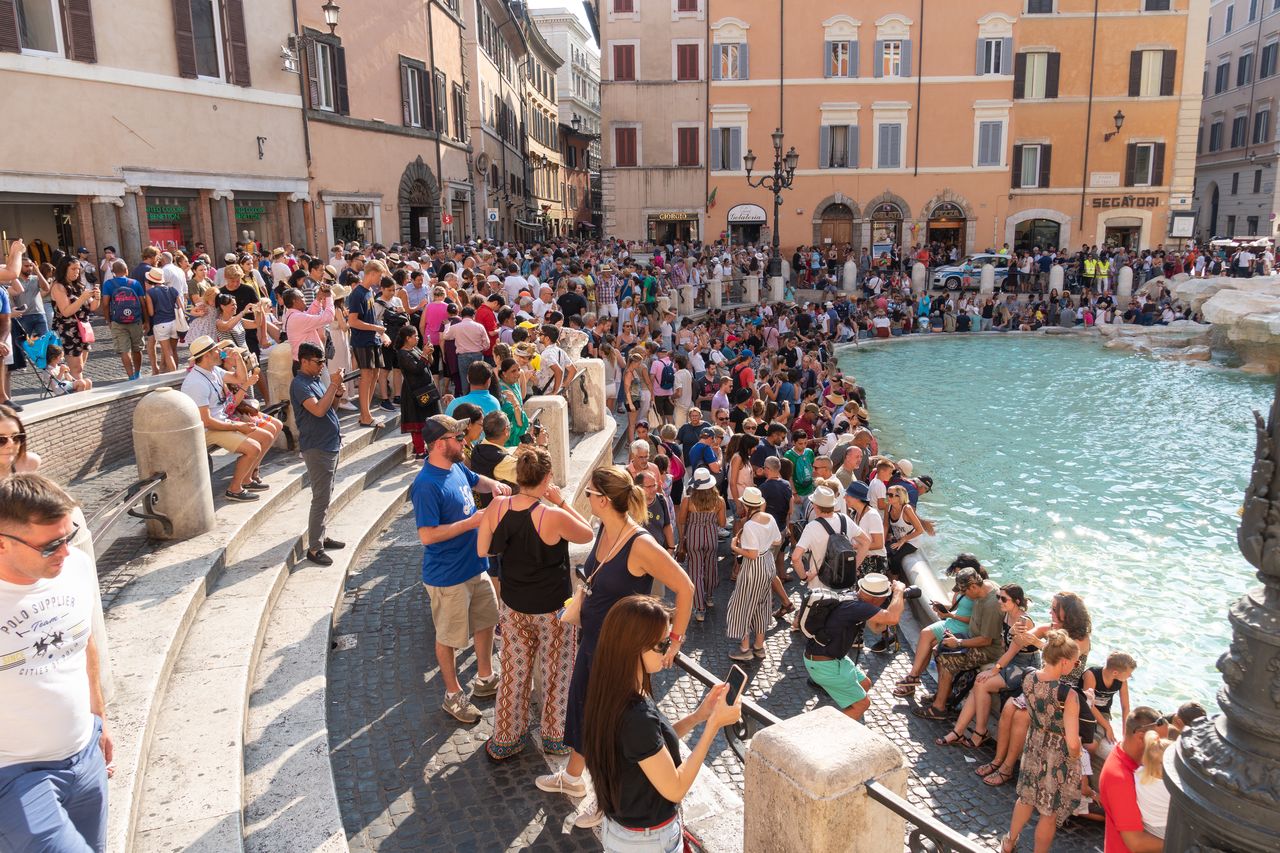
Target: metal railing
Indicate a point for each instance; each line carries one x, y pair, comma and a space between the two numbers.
926, 834
125, 502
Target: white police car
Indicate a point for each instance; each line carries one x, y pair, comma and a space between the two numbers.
951, 276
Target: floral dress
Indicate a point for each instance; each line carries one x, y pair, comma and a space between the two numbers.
68, 328
1050, 778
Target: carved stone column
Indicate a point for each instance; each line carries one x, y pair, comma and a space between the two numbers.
1225, 773
224, 239
106, 224
298, 224
131, 235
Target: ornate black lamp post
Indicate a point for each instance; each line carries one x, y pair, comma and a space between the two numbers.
1225, 774
784, 170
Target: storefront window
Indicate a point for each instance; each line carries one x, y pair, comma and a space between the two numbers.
886, 228
1030, 233
253, 221
169, 223
673, 227
353, 221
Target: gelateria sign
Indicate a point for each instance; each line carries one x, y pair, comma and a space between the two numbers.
1128, 201
746, 214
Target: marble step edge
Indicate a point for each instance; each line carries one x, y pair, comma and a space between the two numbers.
149, 634
290, 799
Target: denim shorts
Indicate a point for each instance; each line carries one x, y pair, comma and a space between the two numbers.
617, 838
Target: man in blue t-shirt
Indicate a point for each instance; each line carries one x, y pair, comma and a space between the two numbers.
126, 319
479, 377
367, 336
702, 454
463, 603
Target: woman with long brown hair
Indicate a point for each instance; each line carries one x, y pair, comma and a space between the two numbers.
624, 561
631, 748
531, 530
73, 301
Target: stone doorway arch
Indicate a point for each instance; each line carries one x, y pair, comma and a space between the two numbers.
830, 216
948, 220
419, 198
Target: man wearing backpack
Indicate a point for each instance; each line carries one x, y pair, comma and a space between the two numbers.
123, 307
830, 546
831, 624
664, 384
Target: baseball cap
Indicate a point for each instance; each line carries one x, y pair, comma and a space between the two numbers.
438, 426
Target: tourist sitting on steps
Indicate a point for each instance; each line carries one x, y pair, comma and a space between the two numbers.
983, 645
826, 652
953, 622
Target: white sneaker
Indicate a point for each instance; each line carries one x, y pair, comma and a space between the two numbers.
347, 407
586, 820
558, 783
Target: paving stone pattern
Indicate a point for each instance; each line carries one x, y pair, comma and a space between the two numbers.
411, 778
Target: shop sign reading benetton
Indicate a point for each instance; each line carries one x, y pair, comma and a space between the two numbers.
746, 213
1128, 201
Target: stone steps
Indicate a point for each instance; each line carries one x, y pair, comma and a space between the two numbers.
290, 801
149, 620
192, 781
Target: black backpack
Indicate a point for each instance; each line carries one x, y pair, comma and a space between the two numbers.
815, 610
839, 568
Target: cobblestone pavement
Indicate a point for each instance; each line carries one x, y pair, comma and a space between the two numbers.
410, 778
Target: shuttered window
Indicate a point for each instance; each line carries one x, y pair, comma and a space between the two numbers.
729, 62
1039, 7
841, 59
838, 146
1151, 73
33, 25
726, 149
1031, 165
1144, 164
688, 65
1035, 75
1262, 126
1267, 67
1215, 137
414, 102
624, 6
1244, 70
889, 146
624, 146
990, 143
995, 56
326, 68
688, 147
211, 40
1239, 130
686, 5
624, 62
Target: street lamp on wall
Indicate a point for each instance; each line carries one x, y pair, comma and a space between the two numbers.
331, 10
1118, 118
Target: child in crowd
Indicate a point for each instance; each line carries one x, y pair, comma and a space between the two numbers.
61, 379
1101, 685
1153, 796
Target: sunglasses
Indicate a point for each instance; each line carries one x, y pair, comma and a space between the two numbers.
663, 646
48, 549
16, 438
1002, 598
593, 493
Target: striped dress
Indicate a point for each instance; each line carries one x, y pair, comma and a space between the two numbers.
701, 544
748, 611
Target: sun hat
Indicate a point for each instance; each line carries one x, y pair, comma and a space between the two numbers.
875, 584
277, 252
155, 275
330, 272
835, 399
751, 496
823, 497
857, 491
202, 346
229, 257
703, 480
438, 426
338, 291
905, 466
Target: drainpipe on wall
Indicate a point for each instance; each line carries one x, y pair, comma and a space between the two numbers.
1088, 121
919, 94
305, 92
441, 195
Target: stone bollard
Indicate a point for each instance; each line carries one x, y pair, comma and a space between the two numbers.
279, 378
805, 787
664, 305
716, 291
1124, 285
1055, 277
589, 415
850, 283
554, 417
685, 293
786, 270
919, 278
751, 289
168, 438
775, 288
988, 280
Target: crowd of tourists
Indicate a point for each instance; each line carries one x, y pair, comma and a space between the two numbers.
743, 435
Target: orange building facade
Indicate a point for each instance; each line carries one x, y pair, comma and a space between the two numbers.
967, 124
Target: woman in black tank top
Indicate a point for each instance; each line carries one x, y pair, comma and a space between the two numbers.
531, 531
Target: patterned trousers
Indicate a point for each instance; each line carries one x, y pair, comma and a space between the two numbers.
529, 641
748, 611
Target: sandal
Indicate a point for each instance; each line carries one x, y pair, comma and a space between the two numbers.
987, 769
975, 740
1012, 844
928, 712
999, 776
949, 739
905, 690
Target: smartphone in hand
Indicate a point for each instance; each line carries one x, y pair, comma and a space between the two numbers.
736, 679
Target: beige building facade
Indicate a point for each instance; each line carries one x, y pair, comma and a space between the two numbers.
653, 95
388, 124
969, 125
196, 139
1236, 192
542, 126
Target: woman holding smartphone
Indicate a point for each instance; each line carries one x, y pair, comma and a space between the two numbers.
631, 748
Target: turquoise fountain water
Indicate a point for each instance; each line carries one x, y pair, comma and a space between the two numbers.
1066, 466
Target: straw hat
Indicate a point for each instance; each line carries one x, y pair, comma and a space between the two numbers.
204, 344
751, 496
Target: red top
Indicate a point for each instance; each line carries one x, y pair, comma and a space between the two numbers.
485, 317
1118, 796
